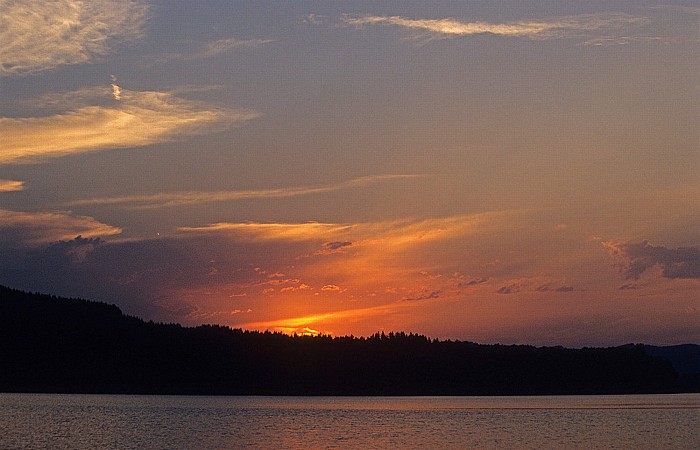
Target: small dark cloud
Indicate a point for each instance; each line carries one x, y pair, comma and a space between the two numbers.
510, 289
472, 282
549, 288
564, 289
337, 244
77, 249
434, 294
629, 286
638, 257
331, 248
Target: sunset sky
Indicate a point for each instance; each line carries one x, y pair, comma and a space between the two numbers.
494, 171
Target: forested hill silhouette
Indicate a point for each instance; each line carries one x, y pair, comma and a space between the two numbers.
50, 344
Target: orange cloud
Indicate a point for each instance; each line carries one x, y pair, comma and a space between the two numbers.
331, 287
11, 186
389, 260
455, 265
274, 231
395, 233
301, 287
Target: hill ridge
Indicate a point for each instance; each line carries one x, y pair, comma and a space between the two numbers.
54, 344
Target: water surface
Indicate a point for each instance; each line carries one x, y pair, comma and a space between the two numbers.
123, 421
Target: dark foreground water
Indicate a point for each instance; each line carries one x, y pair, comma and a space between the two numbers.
122, 421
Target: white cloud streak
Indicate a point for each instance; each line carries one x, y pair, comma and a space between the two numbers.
169, 199
39, 36
139, 118
533, 29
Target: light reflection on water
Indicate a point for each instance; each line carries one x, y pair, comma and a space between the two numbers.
111, 421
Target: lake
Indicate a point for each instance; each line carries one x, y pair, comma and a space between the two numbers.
126, 421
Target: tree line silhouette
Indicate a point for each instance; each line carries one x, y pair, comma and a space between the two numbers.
50, 344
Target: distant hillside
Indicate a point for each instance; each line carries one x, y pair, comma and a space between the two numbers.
50, 344
684, 358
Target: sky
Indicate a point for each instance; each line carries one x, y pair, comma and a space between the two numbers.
500, 171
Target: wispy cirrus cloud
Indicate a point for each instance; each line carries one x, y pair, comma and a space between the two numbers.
532, 29
275, 231
39, 36
135, 118
395, 233
11, 186
208, 50
43, 227
606, 41
171, 199
224, 45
